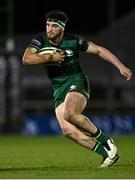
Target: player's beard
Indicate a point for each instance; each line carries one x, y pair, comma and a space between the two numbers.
54, 36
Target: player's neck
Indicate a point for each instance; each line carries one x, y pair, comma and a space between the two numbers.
57, 41
54, 43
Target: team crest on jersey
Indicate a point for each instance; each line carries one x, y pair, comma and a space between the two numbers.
69, 52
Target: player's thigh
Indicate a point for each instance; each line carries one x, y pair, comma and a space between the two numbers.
65, 125
59, 114
74, 102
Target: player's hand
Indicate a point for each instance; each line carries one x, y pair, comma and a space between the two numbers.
126, 72
58, 56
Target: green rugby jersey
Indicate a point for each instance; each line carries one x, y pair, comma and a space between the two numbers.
71, 45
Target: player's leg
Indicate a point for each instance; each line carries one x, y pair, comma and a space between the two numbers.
72, 132
73, 107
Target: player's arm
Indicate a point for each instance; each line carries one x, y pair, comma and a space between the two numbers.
32, 57
110, 57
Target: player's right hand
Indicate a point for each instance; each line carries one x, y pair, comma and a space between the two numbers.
58, 56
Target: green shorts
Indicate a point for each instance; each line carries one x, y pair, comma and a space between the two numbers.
75, 83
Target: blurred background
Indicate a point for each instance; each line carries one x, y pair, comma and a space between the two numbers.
26, 105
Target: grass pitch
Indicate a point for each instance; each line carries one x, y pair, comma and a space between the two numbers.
57, 157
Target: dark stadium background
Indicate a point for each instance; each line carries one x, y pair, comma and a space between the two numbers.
88, 17
26, 94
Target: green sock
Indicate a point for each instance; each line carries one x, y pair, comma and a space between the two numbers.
98, 148
100, 137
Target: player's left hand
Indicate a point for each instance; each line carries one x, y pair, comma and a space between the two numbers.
126, 72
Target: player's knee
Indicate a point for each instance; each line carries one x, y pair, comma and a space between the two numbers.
69, 116
67, 132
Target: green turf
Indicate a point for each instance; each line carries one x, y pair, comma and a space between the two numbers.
58, 157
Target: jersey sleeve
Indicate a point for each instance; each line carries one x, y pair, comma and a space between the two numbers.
37, 42
82, 43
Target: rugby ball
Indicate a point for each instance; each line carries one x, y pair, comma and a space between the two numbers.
47, 50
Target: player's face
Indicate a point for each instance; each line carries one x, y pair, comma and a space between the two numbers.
53, 31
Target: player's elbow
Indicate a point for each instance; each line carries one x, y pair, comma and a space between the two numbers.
25, 60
